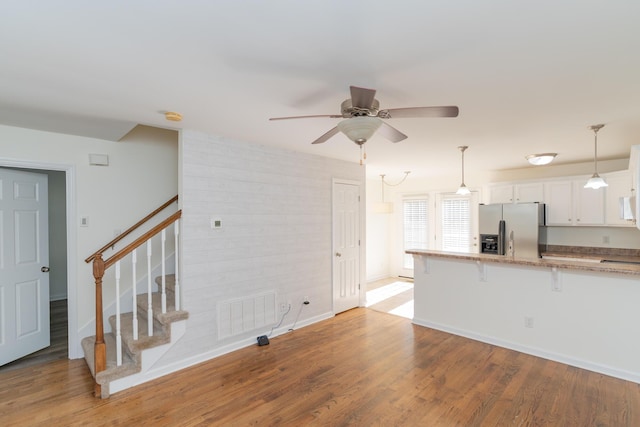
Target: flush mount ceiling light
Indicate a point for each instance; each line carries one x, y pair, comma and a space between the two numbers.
541, 159
463, 190
172, 116
595, 181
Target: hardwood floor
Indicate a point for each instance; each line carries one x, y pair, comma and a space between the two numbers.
59, 340
362, 367
393, 295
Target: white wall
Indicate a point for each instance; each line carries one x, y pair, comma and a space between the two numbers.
378, 229
142, 174
276, 235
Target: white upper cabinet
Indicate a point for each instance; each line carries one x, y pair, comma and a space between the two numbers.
529, 193
588, 204
559, 202
501, 193
516, 193
569, 203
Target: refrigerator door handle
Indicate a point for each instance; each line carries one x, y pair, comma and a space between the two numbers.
501, 237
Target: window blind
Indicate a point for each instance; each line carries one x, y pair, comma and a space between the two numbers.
456, 224
416, 226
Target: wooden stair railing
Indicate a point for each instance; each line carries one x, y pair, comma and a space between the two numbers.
100, 266
121, 236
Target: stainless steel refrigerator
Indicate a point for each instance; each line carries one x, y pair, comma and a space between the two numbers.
514, 229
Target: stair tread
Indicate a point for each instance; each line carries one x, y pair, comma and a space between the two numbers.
169, 284
172, 315
132, 349
160, 335
112, 371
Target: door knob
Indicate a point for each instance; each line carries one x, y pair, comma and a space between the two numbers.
45, 269
338, 254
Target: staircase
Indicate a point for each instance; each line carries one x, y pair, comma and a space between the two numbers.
137, 355
126, 356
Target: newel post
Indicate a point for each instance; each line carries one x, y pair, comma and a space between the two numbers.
100, 349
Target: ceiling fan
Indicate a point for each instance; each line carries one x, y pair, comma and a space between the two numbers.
362, 113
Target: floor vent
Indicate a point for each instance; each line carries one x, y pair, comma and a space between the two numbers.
241, 315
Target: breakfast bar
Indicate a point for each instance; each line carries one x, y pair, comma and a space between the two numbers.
576, 310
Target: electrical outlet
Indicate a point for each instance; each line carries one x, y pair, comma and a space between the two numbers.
283, 307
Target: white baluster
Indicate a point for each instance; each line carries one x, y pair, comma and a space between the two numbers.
118, 336
164, 279
134, 261
176, 289
149, 298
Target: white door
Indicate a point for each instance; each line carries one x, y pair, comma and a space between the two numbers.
346, 246
24, 258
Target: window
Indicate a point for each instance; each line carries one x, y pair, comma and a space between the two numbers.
456, 223
415, 227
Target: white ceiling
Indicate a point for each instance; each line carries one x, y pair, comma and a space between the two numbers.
528, 76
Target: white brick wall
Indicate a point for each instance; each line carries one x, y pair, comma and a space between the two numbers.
275, 207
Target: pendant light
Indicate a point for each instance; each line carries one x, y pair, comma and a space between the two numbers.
463, 190
595, 181
387, 207
383, 207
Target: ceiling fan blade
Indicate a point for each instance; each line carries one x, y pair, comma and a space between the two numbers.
362, 97
393, 113
391, 133
326, 136
307, 117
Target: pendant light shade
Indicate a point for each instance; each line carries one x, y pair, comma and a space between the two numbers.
359, 129
463, 190
596, 181
382, 206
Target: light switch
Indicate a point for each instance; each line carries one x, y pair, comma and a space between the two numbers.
84, 221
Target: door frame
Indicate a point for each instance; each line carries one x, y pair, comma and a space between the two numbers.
362, 236
72, 250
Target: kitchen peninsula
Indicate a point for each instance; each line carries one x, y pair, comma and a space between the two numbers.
584, 313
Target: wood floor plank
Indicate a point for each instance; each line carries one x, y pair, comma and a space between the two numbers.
360, 368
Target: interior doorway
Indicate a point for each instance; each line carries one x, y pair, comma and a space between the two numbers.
62, 259
346, 246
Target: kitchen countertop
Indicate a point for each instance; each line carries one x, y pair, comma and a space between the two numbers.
583, 261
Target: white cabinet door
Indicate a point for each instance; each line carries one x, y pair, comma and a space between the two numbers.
529, 193
589, 204
620, 185
501, 193
558, 198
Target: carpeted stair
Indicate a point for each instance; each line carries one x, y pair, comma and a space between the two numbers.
132, 349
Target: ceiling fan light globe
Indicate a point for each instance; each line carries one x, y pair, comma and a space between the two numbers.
359, 129
595, 182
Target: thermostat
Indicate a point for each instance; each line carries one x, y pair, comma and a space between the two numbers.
216, 223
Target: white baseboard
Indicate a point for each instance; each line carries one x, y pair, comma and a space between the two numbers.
561, 358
